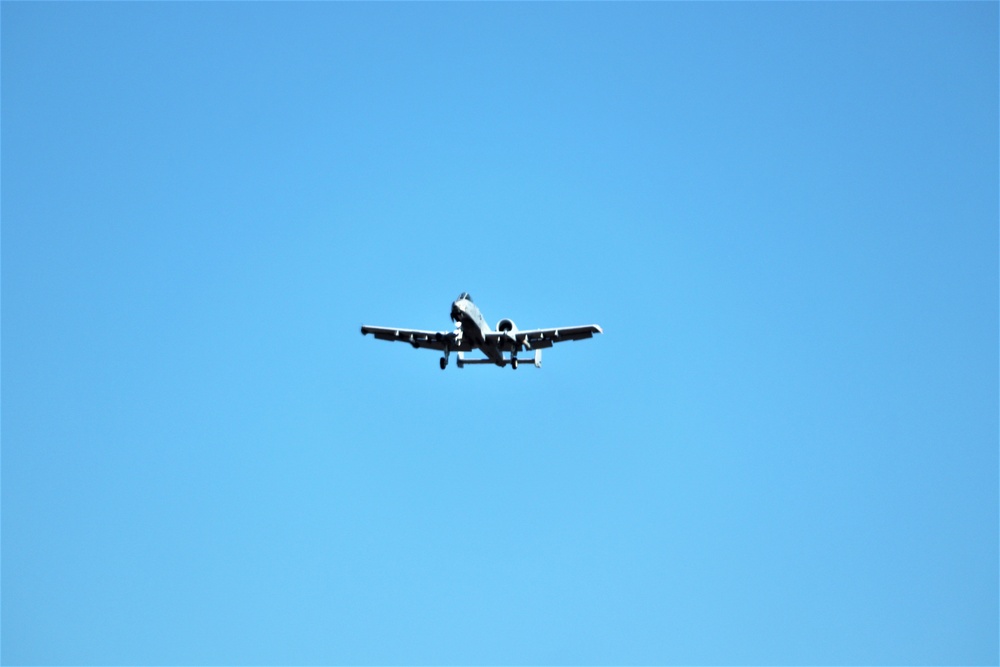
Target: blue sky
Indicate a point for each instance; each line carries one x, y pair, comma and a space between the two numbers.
783, 449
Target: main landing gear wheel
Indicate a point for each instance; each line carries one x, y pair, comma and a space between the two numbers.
444, 363
513, 364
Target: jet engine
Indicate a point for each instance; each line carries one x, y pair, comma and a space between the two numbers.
509, 328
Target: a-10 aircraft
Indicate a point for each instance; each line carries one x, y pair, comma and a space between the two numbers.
472, 333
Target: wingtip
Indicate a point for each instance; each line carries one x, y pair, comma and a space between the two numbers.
598, 328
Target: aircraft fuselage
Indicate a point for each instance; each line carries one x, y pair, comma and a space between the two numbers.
467, 315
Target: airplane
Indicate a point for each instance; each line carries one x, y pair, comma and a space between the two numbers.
471, 333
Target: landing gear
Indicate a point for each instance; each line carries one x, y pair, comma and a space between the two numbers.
513, 363
444, 363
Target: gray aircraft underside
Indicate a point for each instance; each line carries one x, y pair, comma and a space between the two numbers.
473, 333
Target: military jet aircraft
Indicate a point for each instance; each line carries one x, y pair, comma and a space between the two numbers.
471, 333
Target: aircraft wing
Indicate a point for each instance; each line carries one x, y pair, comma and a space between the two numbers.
434, 340
537, 339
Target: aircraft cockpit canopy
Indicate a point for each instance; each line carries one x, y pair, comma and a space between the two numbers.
464, 295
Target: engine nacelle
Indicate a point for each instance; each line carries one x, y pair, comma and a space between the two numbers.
506, 326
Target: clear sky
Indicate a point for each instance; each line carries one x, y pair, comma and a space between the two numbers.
783, 449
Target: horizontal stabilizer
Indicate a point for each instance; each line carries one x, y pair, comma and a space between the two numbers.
536, 361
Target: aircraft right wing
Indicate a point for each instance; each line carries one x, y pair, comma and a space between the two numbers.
434, 340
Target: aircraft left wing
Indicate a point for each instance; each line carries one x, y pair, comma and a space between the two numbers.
434, 340
537, 339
